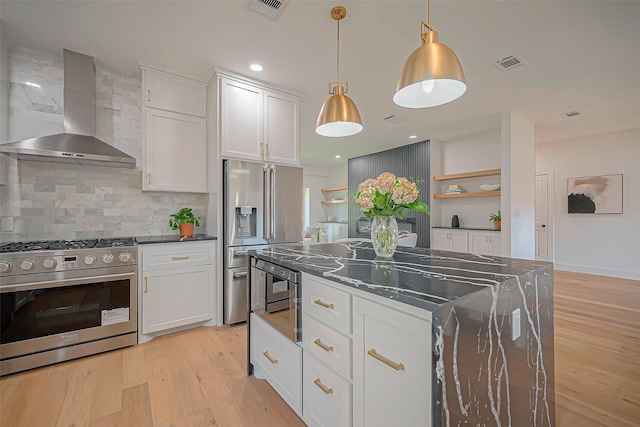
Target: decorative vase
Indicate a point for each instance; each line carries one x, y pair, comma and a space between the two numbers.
497, 225
186, 230
384, 235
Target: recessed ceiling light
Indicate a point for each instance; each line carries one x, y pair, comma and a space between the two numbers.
338, 156
256, 67
32, 84
413, 136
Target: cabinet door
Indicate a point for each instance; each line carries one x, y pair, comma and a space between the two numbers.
174, 93
496, 243
177, 297
459, 241
241, 120
326, 397
281, 128
175, 152
392, 367
440, 240
479, 243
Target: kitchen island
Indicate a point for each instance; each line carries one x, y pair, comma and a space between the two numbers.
486, 324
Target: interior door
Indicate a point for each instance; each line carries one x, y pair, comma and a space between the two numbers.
542, 236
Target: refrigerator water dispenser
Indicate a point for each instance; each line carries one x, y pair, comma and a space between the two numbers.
246, 221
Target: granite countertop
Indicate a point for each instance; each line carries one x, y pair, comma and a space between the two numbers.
420, 277
173, 238
466, 228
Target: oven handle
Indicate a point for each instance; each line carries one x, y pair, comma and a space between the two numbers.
64, 282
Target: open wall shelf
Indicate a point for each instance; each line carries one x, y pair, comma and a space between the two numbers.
461, 195
477, 174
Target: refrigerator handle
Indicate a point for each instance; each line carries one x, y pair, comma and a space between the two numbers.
266, 209
272, 215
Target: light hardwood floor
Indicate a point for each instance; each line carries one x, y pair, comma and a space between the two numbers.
197, 378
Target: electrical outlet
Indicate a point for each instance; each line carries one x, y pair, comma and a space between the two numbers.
515, 324
6, 224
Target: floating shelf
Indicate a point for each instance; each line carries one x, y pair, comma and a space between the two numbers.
328, 190
331, 202
490, 172
460, 195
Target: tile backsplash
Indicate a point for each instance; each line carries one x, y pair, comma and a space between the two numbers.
64, 201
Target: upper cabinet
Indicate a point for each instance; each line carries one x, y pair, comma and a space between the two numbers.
257, 122
174, 133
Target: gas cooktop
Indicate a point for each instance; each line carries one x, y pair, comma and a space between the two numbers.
49, 245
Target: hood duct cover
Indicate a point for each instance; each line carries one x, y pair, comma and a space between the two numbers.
77, 144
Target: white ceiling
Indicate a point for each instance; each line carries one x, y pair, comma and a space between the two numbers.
581, 55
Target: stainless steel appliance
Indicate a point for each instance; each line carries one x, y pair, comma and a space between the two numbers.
61, 299
276, 297
262, 206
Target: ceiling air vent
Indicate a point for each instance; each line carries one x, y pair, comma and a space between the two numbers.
510, 61
572, 113
271, 8
394, 119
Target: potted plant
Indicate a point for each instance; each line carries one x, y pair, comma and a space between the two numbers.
184, 219
497, 220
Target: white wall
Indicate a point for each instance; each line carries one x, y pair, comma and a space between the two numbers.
607, 244
317, 177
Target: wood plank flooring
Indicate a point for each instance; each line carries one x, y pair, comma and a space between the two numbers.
197, 378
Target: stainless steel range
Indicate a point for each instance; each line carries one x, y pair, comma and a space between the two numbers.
63, 299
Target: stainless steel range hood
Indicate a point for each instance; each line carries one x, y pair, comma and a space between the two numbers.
77, 144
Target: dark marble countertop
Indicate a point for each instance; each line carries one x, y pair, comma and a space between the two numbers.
173, 238
466, 228
420, 277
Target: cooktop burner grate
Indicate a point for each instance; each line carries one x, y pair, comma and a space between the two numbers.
50, 245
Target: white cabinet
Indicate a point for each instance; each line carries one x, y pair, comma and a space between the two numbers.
257, 123
278, 360
336, 231
326, 395
176, 287
392, 367
174, 133
450, 240
485, 242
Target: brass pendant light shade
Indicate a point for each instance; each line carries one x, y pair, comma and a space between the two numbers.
432, 75
339, 115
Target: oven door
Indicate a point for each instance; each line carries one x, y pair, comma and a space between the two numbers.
52, 311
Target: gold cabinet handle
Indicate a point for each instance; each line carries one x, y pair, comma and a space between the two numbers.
148, 179
322, 386
323, 304
179, 257
267, 144
261, 148
149, 95
271, 359
146, 285
396, 366
322, 345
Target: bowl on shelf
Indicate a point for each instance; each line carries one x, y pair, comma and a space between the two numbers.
490, 187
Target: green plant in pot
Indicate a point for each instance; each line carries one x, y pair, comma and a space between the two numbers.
184, 220
497, 220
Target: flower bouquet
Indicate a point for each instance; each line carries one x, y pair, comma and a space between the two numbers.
383, 199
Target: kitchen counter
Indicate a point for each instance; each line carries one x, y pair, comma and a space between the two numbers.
173, 238
491, 319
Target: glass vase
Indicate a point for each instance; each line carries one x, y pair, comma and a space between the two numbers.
384, 235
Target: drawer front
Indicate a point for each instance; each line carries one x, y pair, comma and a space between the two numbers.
279, 360
327, 396
327, 304
328, 345
182, 255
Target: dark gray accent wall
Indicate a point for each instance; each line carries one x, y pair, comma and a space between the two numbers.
410, 161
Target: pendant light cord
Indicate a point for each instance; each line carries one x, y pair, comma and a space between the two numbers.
429, 13
338, 50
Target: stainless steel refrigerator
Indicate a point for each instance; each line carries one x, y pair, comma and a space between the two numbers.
262, 206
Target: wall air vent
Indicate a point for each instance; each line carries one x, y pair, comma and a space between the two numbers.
510, 61
271, 8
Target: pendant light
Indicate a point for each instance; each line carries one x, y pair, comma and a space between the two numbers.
339, 115
432, 75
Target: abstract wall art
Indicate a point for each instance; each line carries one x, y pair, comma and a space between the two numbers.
595, 194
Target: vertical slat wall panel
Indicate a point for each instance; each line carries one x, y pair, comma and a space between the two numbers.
411, 161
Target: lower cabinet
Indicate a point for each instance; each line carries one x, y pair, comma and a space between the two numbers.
392, 367
336, 231
450, 240
278, 360
177, 287
326, 395
485, 242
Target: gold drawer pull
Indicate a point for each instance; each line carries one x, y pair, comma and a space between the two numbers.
322, 386
146, 285
323, 304
179, 257
261, 148
149, 95
267, 144
148, 179
323, 346
271, 359
396, 366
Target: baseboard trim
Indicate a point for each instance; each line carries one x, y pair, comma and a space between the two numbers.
621, 274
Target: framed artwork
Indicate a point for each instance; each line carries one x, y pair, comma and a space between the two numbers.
595, 194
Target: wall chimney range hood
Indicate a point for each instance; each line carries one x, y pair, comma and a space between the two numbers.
77, 144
